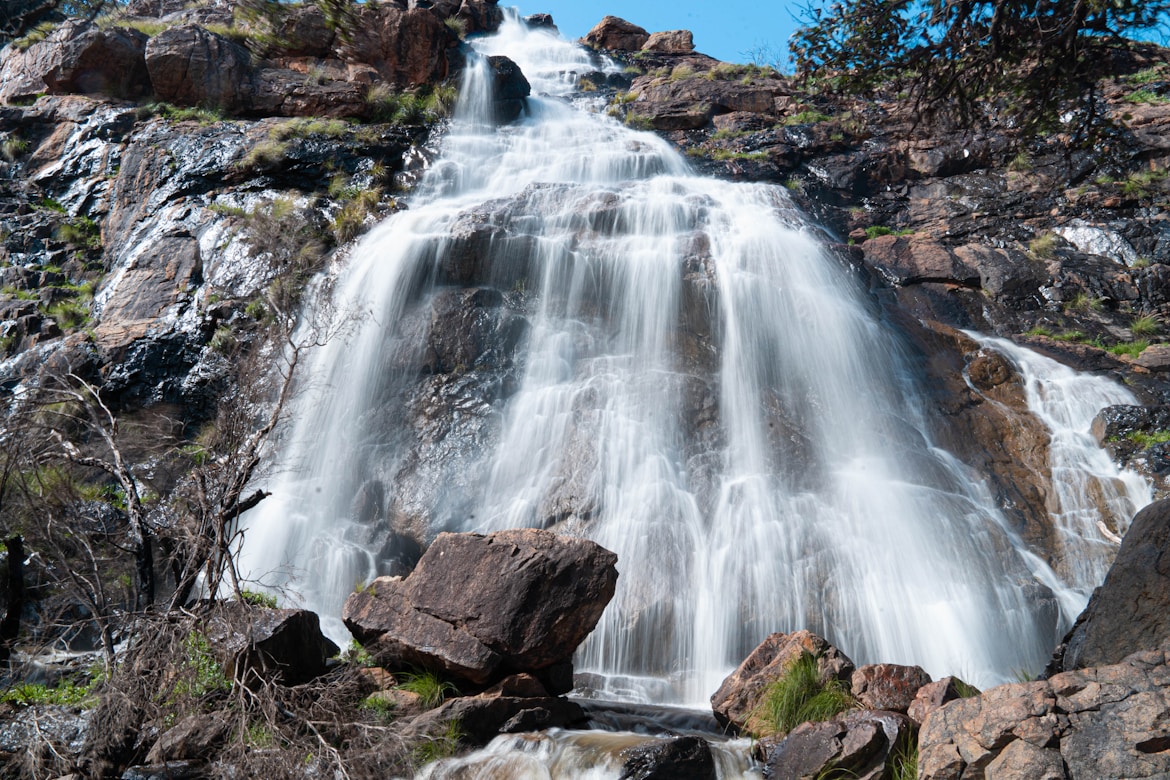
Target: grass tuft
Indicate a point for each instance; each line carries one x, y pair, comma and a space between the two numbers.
429, 687
800, 696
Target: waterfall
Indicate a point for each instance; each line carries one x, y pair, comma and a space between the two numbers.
677, 369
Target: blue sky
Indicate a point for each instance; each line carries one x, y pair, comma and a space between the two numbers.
726, 30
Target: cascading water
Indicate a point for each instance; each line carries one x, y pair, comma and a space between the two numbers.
697, 386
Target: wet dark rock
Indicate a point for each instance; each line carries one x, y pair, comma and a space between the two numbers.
368, 503
540, 21
509, 88
479, 608
680, 758
46, 735
614, 33
887, 686
1130, 611
737, 701
858, 745
398, 555
171, 770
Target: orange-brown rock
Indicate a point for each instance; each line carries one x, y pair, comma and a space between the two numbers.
617, 34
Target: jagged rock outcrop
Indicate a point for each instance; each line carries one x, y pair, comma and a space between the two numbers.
77, 56
479, 608
736, 703
192, 66
1108, 721
404, 46
672, 41
1130, 611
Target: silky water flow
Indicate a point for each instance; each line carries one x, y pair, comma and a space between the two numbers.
697, 385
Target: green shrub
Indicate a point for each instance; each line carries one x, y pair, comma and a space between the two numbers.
1145, 439
728, 154
1146, 96
1132, 349
266, 155
808, 117
428, 686
64, 694
638, 122
256, 599
69, 314
457, 26
80, 232
201, 673
873, 231
800, 696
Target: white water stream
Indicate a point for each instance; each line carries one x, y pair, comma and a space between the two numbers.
772, 475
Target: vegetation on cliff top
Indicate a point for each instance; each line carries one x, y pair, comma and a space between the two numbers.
1039, 58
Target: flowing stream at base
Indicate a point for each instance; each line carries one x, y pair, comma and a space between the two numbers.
699, 388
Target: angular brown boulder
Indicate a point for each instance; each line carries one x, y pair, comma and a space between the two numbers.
77, 56
192, 66
671, 41
1131, 609
737, 699
482, 718
482, 607
194, 737
887, 686
405, 47
934, 695
1109, 721
857, 745
616, 34
269, 644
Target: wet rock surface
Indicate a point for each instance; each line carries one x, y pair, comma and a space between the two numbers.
681, 758
858, 744
1130, 611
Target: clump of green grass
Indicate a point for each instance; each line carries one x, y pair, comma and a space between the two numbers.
13, 147
1147, 439
1020, 163
1140, 185
963, 689
410, 108
808, 117
1147, 76
680, 72
639, 122
69, 314
64, 694
902, 763
201, 114
80, 232
1084, 302
727, 154
873, 231
1144, 326
1043, 246
264, 156
224, 341
1145, 96
429, 687
435, 748
257, 599
1132, 348
350, 221
457, 26
1040, 330
800, 696
304, 127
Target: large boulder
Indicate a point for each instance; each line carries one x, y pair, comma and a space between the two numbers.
887, 686
191, 66
255, 643
509, 88
405, 47
858, 744
670, 41
1131, 609
616, 34
679, 758
77, 56
738, 698
1108, 721
482, 607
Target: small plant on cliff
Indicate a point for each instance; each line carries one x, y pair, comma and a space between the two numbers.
80, 232
265, 155
457, 26
444, 745
35, 35
266, 600
201, 673
1144, 326
903, 760
1141, 96
873, 231
428, 686
800, 696
1043, 246
13, 147
1145, 439
1132, 349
